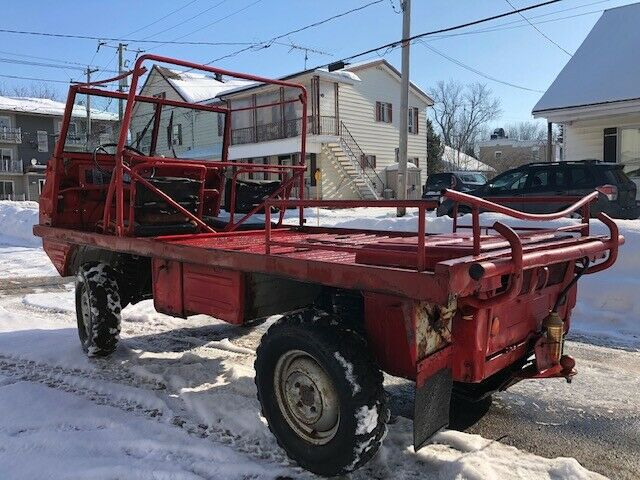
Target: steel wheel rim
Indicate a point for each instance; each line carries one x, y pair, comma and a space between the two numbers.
307, 397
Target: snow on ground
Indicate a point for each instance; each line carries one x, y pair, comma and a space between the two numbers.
177, 401
21, 253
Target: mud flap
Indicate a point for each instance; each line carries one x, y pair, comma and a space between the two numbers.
431, 410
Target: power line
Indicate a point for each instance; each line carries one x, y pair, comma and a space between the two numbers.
42, 58
268, 43
46, 80
115, 39
538, 30
447, 29
163, 17
520, 24
176, 25
41, 64
477, 72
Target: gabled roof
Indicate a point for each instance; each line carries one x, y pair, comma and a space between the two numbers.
45, 106
605, 69
457, 160
195, 87
354, 67
346, 75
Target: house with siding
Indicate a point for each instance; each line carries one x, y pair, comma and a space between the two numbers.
352, 125
28, 131
596, 96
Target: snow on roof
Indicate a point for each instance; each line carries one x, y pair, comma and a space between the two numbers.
45, 106
395, 166
197, 87
605, 67
336, 76
456, 160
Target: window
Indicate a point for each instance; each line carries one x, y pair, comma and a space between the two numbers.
630, 149
161, 95
497, 155
609, 153
415, 161
6, 154
43, 141
5, 122
581, 177
40, 185
368, 161
220, 125
383, 112
546, 179
6, 189
175, 134
412, 124
509, 181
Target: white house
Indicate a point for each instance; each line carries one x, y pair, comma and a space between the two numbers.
352, 124
596, 96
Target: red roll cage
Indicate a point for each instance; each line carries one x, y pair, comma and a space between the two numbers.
291, 175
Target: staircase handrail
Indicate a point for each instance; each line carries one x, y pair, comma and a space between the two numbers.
352, 148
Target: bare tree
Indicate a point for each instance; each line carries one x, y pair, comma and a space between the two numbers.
35, 90
462, 112
533, 131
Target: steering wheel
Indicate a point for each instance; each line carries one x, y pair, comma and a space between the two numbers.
103, 149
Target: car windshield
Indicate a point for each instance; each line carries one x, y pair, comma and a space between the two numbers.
438, 182
508, 180
475, 178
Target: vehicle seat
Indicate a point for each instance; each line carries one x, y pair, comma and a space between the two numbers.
154, 216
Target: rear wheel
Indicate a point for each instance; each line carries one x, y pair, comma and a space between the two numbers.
321, 393
98, 308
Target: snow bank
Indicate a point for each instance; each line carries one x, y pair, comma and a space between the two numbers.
16, 223
21, 253
607, 304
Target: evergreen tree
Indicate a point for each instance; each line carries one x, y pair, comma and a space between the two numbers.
435, 149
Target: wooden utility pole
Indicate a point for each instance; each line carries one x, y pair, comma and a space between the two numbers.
89, 71
404, 107
122, 84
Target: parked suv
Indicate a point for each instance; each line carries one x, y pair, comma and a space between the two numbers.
461, 181
576, 178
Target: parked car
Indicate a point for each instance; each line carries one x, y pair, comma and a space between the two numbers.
461, 181
574, 178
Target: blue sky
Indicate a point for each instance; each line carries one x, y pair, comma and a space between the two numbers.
513, 52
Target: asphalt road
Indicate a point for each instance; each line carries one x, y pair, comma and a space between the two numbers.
595, 419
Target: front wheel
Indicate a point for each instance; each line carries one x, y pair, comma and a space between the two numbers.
321, 393
98, 308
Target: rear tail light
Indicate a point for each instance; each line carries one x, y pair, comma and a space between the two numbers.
609, 191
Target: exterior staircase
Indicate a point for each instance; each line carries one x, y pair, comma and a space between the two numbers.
349, 156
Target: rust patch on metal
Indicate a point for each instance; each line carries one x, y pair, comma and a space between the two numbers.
433, 326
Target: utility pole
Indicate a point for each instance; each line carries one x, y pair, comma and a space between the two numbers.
89, 71
122, 83
404, 107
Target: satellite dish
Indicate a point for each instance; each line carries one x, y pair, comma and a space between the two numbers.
34, 162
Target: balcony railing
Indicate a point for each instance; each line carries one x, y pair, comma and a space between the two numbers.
10, 135
11, 166
286, 129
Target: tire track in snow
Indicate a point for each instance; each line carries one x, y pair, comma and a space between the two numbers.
101, 390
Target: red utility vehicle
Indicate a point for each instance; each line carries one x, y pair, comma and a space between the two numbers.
466, 313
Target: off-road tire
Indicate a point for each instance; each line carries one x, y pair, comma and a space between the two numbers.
357, 381
98, 314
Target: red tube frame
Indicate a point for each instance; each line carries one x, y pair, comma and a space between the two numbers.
117, 187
